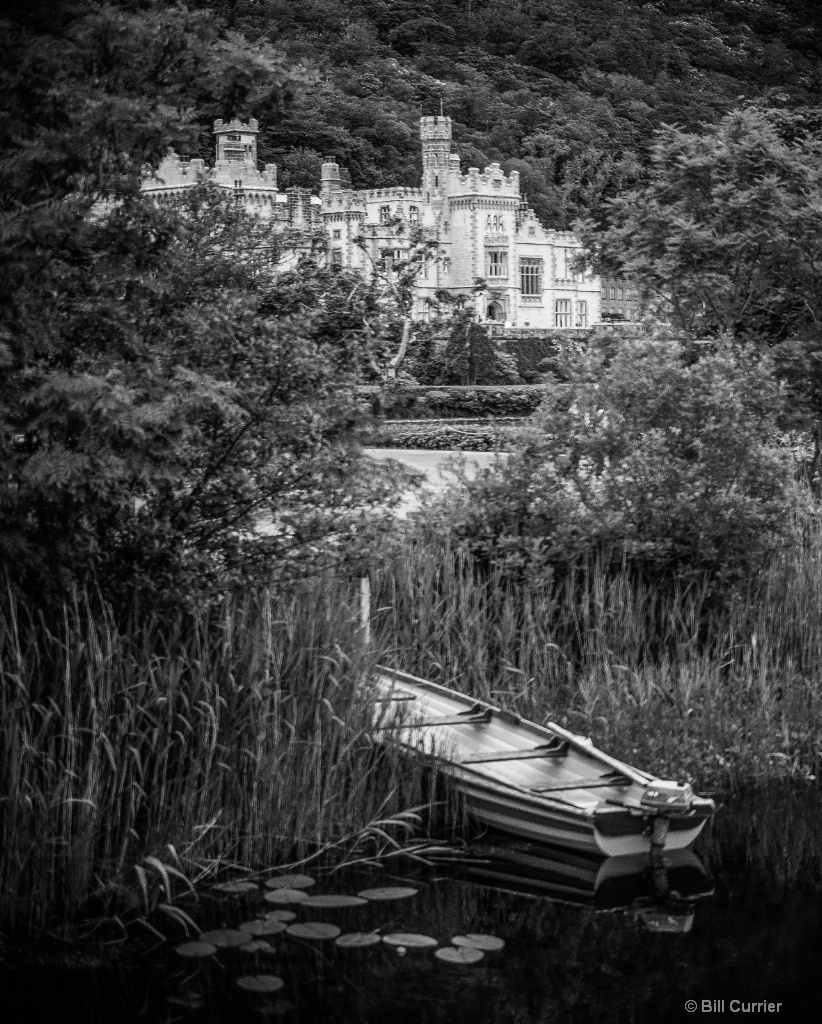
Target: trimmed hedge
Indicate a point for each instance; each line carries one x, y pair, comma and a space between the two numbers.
440, 436
530, 352
416, 402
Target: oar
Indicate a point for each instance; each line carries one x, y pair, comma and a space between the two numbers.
582, 784
587, 747
473, 715
531, 753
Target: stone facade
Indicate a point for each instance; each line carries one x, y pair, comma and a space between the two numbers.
236, 169
483, 227
620, 300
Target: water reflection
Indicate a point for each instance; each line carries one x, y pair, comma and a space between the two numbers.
585, 940
661, 895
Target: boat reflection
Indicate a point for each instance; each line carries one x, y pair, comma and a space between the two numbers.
662, 893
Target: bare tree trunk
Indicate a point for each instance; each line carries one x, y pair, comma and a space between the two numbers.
398, 358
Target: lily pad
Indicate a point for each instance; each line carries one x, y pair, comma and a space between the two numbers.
285, 896
487, 943
238, 887
280, 915
257, 946
225, 938
261, 983
330, 901
356, 940
263, 927
196, 949
314, 930
395, 892
460, 954
411, 940
291, 882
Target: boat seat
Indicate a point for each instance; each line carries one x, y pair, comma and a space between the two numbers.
472, 716
599, 782
556, 748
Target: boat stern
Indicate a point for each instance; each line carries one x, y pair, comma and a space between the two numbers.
667, 796
666, 814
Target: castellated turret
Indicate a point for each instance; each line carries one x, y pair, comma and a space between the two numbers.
236, 141
330, 178
435, 134
479, 220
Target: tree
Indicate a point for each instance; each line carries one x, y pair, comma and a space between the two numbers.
155, 403
471, 356
644, 455
390, 282
726, 237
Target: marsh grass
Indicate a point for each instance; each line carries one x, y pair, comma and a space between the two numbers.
723, 692
134, 759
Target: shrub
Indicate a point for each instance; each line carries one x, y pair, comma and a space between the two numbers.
531, 353
665, 461
442, 437
456, 402
233, 735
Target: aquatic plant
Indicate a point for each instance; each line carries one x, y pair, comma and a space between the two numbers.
140, 760
137, 760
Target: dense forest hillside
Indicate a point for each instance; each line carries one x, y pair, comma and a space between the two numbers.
567, 92
138, 355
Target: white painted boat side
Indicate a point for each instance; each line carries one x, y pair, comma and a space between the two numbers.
501, 792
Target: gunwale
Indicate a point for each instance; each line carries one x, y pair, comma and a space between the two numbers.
604, 814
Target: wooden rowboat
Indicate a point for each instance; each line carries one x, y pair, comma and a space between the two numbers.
543, 783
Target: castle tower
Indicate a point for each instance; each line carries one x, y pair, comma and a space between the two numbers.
299, 208
330, 178
435, 133
237, 142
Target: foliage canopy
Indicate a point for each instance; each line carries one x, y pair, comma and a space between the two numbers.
642, 454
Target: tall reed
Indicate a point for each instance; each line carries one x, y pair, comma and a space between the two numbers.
722, 692
241, 734
238, 735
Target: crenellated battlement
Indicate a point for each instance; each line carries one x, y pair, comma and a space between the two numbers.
236, 125
359, 199
343, 201
227, 173
435, 129
492, 181
400, 192
174, 172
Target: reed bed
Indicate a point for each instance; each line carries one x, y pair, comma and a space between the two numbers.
723, 692
238, 736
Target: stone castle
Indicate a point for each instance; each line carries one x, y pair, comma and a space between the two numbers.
236, 168
482, 226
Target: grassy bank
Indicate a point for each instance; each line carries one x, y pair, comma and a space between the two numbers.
235, 737
239, 736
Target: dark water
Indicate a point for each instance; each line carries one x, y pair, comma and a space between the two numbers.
756, 939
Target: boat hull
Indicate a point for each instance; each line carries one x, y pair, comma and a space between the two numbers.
629, 836
540, 783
